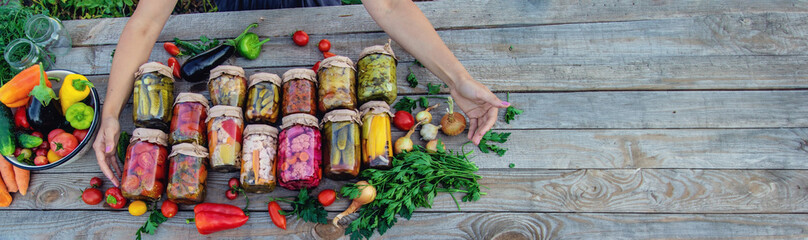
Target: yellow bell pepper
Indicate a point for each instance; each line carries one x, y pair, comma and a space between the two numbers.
75, 88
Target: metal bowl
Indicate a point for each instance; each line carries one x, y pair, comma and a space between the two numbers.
85, 145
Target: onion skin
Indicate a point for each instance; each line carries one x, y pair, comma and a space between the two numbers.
453, 124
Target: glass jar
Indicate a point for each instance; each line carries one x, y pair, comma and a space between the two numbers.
337, 80
188, 121
376, 74
299, 153
227, 86
187, 174
153, 96
145, 165
225, 127
48, 33
377, 144
23, 53
263, 97
342, 151
299, 92
258, 158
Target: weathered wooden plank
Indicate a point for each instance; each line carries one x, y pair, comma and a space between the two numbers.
589, 190
443, 15
121, 225
724, 34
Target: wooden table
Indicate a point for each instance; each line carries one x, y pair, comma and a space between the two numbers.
643, 119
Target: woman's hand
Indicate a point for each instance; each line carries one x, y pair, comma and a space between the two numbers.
105, 148
480, 105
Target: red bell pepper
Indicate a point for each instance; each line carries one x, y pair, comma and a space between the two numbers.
214, 217
20, 120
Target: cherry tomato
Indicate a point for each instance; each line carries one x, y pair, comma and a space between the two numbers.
275, 213
328, 54
316, 66
403, 120
42, 152
37, 134
231, 194
172, 49
324, 45
80, 134
169, 209
233, 183
40, 160
175, 66
52, 134
327, 197
137, 208
300, 38
114, 198
92, 196
96, 182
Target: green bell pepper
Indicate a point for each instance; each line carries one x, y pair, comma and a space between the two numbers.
249, 46
80, 115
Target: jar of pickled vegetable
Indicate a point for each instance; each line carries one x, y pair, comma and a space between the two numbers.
188, 121
187, 173
376, 74
299, 153
153, 96
227, 86
342, 151
225, 126
299, 92
337, 78
377, 144
263, 98
144, 172
258, 158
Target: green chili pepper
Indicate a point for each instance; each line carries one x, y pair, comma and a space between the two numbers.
80, 115
249, 45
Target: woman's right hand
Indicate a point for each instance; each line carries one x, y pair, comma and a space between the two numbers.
105, 148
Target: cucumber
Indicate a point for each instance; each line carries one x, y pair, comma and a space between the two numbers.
28, 140
6, 136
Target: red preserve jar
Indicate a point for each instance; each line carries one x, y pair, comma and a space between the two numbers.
145, 166
188, 121
299, 154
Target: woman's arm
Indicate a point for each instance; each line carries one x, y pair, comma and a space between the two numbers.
134, 47
408, 26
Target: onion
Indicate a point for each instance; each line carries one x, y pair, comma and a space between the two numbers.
405, 143
429, 131
367, 195
424, 116
453, 123
432, 146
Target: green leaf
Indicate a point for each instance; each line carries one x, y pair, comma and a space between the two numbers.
411, 79
405, 104
432, 89
423, 102
417, 63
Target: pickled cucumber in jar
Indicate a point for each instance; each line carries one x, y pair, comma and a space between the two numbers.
337, 80
376, 74
153, 96
342, 151
227, 86
377, 144
263, 98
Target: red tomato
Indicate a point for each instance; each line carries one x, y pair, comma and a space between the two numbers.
175, 67
316, 66
92, 196
403, 120
275, 213
53, 133
233, 183
230, 194
155, 191
324, 45
64, 143
114, 198
327, 197
37, 134
96, 182
131, 183
169, 209
300, 38
328, 54
40, 160
171, 49
80, 134
42, 152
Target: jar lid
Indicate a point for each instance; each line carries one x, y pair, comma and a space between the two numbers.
375, 107
190, 149
378, 49
149, 135
342, 115
264, 77
299, 119
260, 129
192, 97
337, 61
224, 110
226, 69
300, 73
154, 67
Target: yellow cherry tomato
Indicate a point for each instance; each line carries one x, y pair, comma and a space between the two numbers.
52, 157
137, 208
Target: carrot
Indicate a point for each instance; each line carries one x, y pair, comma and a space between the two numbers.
23, 177
8, 175
5, 198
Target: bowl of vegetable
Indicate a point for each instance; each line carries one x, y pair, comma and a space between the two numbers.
43, 135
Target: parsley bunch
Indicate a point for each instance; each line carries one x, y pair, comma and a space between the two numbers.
305, 207
155, 219
413, 182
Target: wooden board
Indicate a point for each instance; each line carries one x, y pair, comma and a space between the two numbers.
501, 226
531, 190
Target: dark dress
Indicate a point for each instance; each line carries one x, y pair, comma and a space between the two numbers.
238, 5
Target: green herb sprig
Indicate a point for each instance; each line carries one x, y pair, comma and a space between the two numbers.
492, 136
155, 219
510, 111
